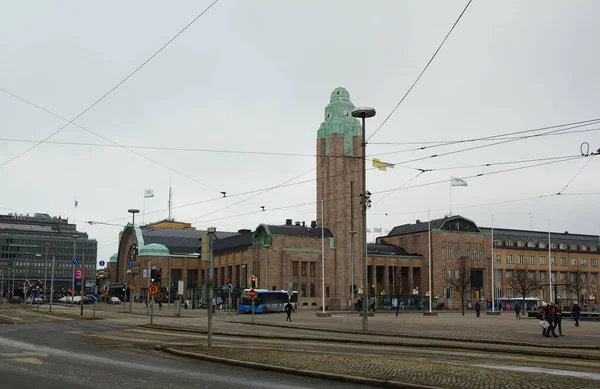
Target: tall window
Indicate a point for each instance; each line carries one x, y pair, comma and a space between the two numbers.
498, 272
542, 260
443, 274
583, 262
509, 258
303, 269
521, 259
294, 268
508, 274
498, 258
573, 261
312, 269
312, 289
563, 261
303, 289
553, 261
509, 293
532, 260
594, 262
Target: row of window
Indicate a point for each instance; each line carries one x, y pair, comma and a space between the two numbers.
305, 269
449, 293
532, 260
553, 245
508, 275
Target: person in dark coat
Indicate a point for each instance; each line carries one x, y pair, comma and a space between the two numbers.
550, 316
518, 311
288, 310
576, 313
558, 319
477, 308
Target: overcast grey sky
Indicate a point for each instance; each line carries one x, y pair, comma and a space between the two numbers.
256, 76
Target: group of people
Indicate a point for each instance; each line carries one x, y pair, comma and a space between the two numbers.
550, 315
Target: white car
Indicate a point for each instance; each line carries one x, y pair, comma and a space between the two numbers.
114, 300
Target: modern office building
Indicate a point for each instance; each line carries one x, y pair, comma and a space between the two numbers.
28, 244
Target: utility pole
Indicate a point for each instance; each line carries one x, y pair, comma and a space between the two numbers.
52, 283
207, 252
46, 270
364, 113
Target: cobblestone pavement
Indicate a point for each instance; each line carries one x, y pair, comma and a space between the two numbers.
398, 370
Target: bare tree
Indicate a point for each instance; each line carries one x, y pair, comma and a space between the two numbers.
575, 282
523, 282
460, 279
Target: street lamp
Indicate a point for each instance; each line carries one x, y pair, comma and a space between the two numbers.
352, 233
363, 113
46, 269
132, 211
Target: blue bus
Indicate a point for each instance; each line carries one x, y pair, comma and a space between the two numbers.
267, 301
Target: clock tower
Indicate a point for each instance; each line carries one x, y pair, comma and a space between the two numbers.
339, 188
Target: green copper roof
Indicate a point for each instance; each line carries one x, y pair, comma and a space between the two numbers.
339, 120
154, 249
114, 258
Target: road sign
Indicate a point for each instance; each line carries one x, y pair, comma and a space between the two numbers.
153, 289
102, 263
75, 261
130, 264
290, 293
131, 286
94, 297
225, 287
180, 288
252, 293
79, 273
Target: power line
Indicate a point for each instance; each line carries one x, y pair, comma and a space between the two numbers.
445, 142
504, 163
162, 148
576, 174
422, 72
110, 90
556, 130
401, 186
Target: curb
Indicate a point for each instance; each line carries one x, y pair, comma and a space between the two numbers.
411, 336
516, 351
306, 373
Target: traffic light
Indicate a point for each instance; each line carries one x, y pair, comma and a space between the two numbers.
158, 275
124, 287
153, 275
97, 281
253, 282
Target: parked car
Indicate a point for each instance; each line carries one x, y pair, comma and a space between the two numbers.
114, 300
15, 300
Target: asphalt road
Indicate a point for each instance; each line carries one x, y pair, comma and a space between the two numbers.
59, 355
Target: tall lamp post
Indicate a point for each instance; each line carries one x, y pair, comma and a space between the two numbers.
363, 113
46, 270
132, 211
352, 233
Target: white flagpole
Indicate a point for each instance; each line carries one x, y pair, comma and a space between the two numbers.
549, 265
493, 274
429, 228
323, 252
144, 208
450, 198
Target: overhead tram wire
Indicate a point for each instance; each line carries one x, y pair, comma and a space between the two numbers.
555, 128
561, 159
422, 72
445, 142
401, 186
593, 154
398, 188
494, 138
114, 87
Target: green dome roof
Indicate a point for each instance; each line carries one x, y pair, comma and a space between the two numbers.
154, 249
114, 258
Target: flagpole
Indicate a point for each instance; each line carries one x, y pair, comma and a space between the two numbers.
144, 209
323, 252
450, 198
429, 233
549, 265
493, 274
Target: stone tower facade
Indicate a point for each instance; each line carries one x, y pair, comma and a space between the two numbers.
339, 188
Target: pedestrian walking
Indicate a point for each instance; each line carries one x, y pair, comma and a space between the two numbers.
550, 316
159, 305
576, 313
288, 310
477, 308
558, 319
518, 311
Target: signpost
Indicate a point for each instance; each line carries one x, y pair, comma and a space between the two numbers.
152, 291
102, 263
252, 295
131, 286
